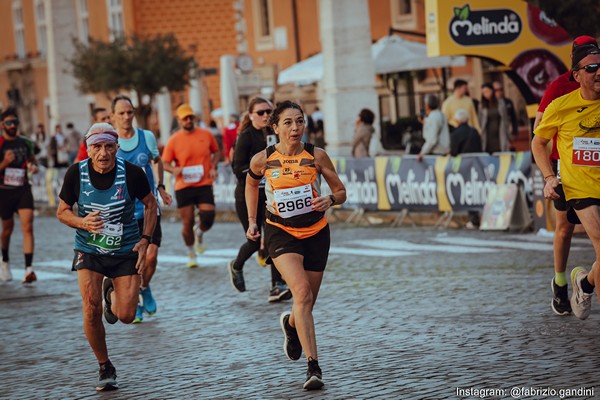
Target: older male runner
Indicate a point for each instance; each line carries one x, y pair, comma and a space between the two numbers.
110, 254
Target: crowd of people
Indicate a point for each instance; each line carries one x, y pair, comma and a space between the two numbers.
115, 176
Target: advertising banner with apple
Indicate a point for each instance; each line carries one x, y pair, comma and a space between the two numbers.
514, 33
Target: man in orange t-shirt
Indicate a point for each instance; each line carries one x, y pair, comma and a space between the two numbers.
191, 155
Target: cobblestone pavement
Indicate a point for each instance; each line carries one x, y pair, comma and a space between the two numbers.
404, 313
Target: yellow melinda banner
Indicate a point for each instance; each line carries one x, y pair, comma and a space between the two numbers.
512, 32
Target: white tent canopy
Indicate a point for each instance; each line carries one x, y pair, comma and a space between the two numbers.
390, 54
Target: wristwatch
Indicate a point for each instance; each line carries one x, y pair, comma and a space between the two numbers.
147, 237
160, 186
332, 197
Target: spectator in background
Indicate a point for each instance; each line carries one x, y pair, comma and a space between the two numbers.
42, 143
57, 154
510, 108
435, 129
317, 115
465, 139
457, 100
214, 129
363, 131
74, 140
230, 133
495, 124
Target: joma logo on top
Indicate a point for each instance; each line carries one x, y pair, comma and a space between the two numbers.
474, 28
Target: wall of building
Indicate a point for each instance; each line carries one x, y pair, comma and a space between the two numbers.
203, 27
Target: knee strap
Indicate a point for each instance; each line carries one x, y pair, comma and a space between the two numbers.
207, 219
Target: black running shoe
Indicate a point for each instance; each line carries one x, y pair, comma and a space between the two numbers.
236, 278
560, 299
107, 289
279, 292
291, 343
314, 377
108, 378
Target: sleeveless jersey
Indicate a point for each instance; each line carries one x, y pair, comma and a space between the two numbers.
120, 232
142, 157
290, 184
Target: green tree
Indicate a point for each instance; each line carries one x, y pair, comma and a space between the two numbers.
576, 17
143, 65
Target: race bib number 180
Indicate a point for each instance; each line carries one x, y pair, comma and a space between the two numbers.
293, 201
586, 152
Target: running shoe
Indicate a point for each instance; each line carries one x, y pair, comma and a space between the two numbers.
236, 278
107, 289
139, 314
5, 273
148, 302
261, 257
581, 302
199, 245
560, 299
314, 377
30, 277
279, 292
108, 378
291, 343
192, 263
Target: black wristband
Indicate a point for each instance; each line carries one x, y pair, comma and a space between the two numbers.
147, 237
161, 186
332, 197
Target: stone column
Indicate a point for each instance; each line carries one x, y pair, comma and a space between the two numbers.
349, 75
165, 116
66, 103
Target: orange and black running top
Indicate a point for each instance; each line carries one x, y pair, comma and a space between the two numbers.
291, 183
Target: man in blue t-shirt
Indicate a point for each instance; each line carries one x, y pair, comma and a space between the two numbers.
139, 147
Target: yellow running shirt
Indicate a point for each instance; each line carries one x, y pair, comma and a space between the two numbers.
577, 122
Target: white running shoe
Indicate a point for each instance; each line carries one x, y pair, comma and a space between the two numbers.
581, 302
192, 263
5, 273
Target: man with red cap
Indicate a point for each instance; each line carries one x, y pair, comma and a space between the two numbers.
110, 251
191, 155
574, 119
563, 231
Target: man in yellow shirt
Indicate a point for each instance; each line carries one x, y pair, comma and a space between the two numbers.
459, 99
575, 118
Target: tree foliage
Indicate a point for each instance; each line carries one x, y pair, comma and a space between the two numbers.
576, 17
143, 65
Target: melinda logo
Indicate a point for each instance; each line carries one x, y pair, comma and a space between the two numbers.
472, 28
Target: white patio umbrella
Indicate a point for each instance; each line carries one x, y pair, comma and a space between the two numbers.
390, 54
394, 54
305, 72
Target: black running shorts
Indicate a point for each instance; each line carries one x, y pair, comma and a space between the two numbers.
156, 235
315, 249
194, 195
109, 266
12, 200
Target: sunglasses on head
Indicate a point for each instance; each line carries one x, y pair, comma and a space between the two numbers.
590, 68
263, 112
11, 122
